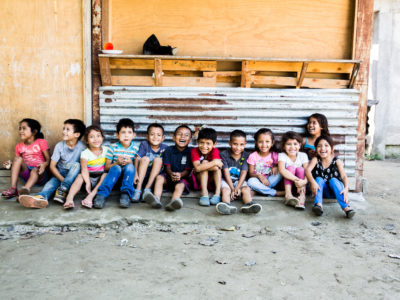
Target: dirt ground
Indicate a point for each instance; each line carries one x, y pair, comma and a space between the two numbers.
196, 254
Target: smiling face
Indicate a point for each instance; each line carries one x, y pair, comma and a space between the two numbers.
313, 127
155, 136
95, 139
125, 136
182, 138
25, 132
237, 145
291, 147
324, 149
69, 133
205, 146
264, 143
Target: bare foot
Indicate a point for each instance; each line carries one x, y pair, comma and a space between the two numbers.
69, 204
88, 201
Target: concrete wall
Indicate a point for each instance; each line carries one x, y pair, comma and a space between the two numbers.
40, 67
385, 77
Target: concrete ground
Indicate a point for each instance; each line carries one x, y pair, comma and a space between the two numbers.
194, 253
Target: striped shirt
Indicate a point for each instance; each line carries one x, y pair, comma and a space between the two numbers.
117, 149
95, 163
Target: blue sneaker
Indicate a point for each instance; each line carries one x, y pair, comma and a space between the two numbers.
99, 201
204, 201
124, 201
215, 199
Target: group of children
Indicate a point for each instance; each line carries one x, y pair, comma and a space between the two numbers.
144, 171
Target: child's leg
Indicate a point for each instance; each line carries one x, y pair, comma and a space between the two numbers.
88, 201
127, 179
246, 194
319, 195
75, 188
217, 176
18, 166
33, 178
111, 179
226, 194
50, 188
300, 173
203, 178
155, 170
337, 187
70, 177
178, 190
288, 184
256, 185
158, 185
274, 179
142, 169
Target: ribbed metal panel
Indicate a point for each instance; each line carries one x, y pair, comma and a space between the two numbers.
226, 109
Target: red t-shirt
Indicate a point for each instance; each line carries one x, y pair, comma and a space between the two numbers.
197, 156
32, 154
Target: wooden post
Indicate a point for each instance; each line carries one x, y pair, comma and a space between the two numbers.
246, 75
302, 74
364, 23
96, 48
158, 72
105, 70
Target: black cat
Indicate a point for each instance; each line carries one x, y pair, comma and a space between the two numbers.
152, 47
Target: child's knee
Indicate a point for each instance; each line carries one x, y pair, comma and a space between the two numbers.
291, 169
245, 189
157, 160
144, 160
179, 187
226, 190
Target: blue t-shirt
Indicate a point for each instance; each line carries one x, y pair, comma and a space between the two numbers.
146, 150
117, 149
179, 161
65, 157
234, 166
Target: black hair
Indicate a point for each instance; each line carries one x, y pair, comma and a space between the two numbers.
237, 133
34, 126
78, 125
95, 128
208, 134
265, 131
155, 125
291, 135
182, 126
326, 138
126, 122
323, 123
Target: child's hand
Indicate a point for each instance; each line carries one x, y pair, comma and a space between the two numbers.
300, 182
233, 195
176, 176
218, 163
274, 170
345, 193
136, 178
263, 180
121, 161
314, 188
88, 187
238, 191
41, 168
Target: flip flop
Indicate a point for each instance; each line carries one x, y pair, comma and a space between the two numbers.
86, 205
292, 201
68, 205
215, 199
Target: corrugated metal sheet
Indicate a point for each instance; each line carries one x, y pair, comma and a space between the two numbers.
226, 109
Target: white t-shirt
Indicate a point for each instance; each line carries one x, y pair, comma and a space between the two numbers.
300, 159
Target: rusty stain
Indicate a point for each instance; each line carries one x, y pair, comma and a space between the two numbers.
211, 95
108, 100
163, 118
108, 93
187, 108
186, 101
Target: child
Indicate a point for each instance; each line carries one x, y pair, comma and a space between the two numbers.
263, 164
149, 162
31, 159
317, 124
177, 168
93, 160
119, 163
206, 160
291, 165
64, 165
235, 171
328, 178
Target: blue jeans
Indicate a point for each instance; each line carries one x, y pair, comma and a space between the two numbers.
69, 177
256, 185
330, 190
128, 174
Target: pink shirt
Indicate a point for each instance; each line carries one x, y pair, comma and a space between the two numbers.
263, 165
32, 154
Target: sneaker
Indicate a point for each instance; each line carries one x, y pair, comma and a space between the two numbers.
136, 196
251, 208
215, 199
152, 200
60, 195
204, 201
174, 204
317, 210
99, 201
350, 213
124, 201
36, 201
226, 208
10, 193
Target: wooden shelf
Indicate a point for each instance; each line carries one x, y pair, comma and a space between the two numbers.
151, 70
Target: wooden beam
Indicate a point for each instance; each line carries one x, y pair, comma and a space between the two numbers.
222, 74
302, 75
246, 75
188, 65
322, 67
106, 17
136, 64
189, 81
96, 49
354, 74
158, 72
275, 66
105, 71
274, 80
133, 80
320, 83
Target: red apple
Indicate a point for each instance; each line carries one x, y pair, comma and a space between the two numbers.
108, 46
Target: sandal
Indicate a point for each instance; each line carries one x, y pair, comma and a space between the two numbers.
136, 196
317, 210
10, 193
215, 199
204, 201
292, 201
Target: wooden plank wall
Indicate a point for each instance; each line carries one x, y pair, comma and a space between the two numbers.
260, 28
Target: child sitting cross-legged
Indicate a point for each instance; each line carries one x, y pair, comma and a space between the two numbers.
64, 165
119, 164
149, 162
235, 170
177, 168
207, 164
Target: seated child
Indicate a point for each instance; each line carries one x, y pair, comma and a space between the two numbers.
234, 170
119, 163
93, 160
263, 162
149, 162
206, 163
328, 178
177, 168
31, 159
64, 165
291, 165
317, 125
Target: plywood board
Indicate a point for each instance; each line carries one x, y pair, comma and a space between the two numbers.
259, 28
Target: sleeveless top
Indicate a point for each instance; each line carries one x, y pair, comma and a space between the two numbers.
328, 173
309, 150
308, 146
